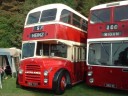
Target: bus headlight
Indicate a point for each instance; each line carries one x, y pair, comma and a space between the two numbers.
91, 80
90, 73
20, 71
45, 80
45, 73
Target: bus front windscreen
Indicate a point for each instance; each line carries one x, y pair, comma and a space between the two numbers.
100, 16
108, 54
28, 50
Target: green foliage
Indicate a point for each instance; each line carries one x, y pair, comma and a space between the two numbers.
83, 6
10, 30
13, 13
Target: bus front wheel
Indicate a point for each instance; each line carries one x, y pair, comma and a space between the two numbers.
61, 84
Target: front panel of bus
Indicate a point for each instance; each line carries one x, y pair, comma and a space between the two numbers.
107, 47
40, 61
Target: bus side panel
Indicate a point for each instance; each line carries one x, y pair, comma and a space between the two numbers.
72, 34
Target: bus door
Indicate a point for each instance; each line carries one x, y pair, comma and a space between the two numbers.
81, 60
77, 64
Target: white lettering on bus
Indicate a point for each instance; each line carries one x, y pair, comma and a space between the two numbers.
35, 35
32, 72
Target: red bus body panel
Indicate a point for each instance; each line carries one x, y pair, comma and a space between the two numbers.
56, 31
34, 68
95, 31
109, 77
39, 65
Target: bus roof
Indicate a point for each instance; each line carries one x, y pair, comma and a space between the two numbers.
56, 5
101, 6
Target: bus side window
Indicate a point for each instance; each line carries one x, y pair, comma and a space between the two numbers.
79, 53
75, 56
84, 25
82, 53
42, 49
46, 49
65, 16
39, 48
76, 20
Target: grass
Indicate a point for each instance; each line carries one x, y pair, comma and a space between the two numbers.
9, 89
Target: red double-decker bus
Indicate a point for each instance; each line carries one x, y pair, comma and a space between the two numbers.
107, 46
53, 48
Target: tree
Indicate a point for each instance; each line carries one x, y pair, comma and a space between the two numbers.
13, 13
83, 6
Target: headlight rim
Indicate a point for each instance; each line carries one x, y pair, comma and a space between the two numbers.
20, 71
46, 73
90, 73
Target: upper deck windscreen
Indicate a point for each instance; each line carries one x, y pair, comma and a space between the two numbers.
118, 13
121, 13
33, 17
100, 16
44, 16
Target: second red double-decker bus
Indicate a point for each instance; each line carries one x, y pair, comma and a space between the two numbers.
53, 48
107, 46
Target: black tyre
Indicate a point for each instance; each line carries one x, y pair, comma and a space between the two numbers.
61, 84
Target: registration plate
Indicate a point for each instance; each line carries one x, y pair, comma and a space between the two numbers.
32, 84
110, 85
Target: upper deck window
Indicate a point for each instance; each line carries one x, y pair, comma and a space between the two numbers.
84, 25
100, 16
121, 13
65, 16
76, 20
33, 18
73, 19
48, 15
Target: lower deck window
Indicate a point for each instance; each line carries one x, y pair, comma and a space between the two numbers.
59, 50
109, 54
